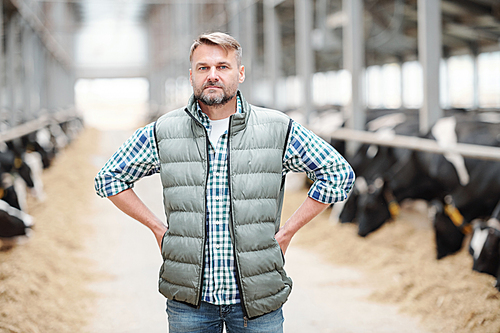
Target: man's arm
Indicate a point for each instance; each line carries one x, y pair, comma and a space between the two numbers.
309, 209
135, 159
333, 178
129, 203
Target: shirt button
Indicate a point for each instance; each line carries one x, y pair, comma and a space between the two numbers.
217, 247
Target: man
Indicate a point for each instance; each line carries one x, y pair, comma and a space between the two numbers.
222, 163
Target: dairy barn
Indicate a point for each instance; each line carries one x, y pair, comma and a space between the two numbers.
408, 91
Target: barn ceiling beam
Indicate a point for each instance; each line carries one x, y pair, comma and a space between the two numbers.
473, 7
468, 33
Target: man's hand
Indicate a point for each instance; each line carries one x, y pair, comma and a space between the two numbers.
309, 209
159, 234
283, 238
129, 203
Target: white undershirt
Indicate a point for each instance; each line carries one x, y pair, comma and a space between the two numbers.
218, 128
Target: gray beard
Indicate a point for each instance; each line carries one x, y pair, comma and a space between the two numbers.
214, 101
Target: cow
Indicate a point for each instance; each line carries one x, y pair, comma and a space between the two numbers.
371, 163
15, 176
477, 198
13, 224
426, 176
485, 245
8, 192
28, 164
31, 143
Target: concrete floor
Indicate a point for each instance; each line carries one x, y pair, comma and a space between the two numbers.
325, 298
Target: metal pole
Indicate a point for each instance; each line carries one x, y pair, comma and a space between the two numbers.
27, 66
234, 19
401, 80
475, 77
429, 55
272, 48
249, 51
37, 69
354, 62
304, 53
151, 43
2, 59
11, 65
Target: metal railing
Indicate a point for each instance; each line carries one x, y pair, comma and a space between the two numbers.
37, 124
416, 143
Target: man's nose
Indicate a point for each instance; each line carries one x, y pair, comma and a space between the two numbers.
212, 74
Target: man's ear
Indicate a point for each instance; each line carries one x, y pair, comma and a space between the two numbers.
242, 74
190, 77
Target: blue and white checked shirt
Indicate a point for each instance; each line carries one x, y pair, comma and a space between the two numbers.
306, 152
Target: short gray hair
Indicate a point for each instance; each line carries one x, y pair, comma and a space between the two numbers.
221, 39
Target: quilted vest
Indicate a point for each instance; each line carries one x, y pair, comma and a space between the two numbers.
256, 144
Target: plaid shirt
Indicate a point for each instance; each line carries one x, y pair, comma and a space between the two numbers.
306, 152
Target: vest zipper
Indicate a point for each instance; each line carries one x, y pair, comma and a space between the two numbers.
231, 225
205, 217
204, 221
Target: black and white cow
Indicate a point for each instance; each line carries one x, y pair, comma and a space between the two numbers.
32, 143
13, 224
471, 200
485, 245
457, 209
371, 163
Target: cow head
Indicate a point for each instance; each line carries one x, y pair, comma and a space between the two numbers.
449, 227
348, 212
375, 206
7, 190
485, 247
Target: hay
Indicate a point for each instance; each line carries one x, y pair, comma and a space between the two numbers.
43, 283
399, 260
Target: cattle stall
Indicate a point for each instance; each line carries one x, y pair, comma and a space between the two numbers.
455, 168
25, 151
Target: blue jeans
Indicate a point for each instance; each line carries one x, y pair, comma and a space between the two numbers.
211, 318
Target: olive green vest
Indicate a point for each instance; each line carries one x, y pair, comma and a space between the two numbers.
256, 143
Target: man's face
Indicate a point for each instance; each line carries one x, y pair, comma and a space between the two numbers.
215, 74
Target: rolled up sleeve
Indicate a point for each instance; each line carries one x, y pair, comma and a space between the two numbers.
331, 174
135, 159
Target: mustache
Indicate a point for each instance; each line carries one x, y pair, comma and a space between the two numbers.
213, 84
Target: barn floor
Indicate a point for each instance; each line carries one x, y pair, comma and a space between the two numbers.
89, 268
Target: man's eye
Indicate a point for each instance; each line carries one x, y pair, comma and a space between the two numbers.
223, 67
203, 68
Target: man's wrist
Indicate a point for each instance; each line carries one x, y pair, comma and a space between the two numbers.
158, 227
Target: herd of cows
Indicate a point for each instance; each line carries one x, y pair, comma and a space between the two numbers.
22, 161
463, 194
